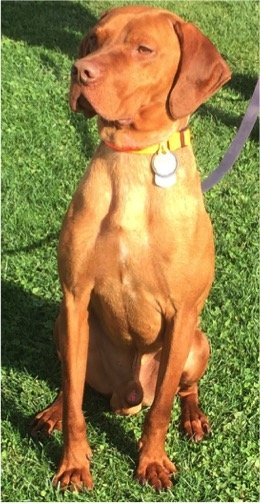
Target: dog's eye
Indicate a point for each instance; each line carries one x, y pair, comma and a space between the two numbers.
143, 49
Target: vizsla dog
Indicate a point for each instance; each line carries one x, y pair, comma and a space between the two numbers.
136, 253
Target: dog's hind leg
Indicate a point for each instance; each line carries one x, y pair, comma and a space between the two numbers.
193, 421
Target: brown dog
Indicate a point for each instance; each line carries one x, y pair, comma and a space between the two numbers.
136, 254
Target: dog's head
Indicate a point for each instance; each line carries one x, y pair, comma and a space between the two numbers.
140, 61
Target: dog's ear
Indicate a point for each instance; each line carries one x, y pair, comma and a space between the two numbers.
201, 72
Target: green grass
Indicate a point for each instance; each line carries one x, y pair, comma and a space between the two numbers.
45, 151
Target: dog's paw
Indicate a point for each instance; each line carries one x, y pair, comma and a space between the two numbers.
156, 471
45, 422
194, 424
73, 473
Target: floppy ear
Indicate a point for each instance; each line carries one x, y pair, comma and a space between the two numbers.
202, 71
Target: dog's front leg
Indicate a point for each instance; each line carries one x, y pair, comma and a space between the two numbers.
74, 469
154, 465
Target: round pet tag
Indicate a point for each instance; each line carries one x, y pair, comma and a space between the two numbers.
164, 164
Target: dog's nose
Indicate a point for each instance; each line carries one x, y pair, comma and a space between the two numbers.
86, 72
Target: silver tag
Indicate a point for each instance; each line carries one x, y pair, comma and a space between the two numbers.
164, 165
165, 181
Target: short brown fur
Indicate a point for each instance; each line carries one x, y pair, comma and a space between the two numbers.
136, 262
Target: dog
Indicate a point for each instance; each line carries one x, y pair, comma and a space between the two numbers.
136, 250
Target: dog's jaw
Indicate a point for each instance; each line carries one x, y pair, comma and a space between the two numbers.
79, 103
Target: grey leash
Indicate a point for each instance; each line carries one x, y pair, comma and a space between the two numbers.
237, 144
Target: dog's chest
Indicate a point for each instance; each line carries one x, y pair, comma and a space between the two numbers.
134, 280
144, 255
126, 288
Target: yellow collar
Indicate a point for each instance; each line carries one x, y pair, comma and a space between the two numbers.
176, 140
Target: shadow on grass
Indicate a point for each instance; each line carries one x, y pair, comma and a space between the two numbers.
245, 86
52, 237
53, 25
27, 345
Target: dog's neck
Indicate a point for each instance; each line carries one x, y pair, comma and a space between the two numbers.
143, 131
163, 161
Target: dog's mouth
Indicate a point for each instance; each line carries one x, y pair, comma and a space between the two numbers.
116, 123
79, 103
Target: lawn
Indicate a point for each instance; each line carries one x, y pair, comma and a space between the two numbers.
45, 150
